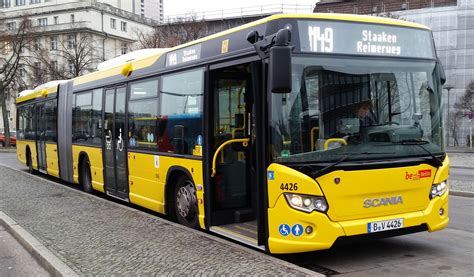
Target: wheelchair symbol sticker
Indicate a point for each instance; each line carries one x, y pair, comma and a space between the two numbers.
271, 175
284, 230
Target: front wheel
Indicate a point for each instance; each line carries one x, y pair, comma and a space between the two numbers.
86, 176
185, 204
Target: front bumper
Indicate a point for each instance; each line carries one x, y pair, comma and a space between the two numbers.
326, 232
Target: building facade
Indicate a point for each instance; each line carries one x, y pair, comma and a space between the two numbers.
452, 23
59, 26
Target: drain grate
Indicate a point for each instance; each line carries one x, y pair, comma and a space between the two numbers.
320, 269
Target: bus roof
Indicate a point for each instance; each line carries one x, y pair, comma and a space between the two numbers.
159, 60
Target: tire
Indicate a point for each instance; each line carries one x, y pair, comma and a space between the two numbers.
185, 203
29, 162
86, 176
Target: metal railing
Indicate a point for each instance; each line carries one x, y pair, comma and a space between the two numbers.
239, 12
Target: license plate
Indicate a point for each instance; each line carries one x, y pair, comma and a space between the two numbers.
385, 225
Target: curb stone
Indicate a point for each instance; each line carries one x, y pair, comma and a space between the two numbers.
230, 244
461, 193
46, 258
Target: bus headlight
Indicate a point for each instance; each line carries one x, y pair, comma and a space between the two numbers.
307, 203
438, 189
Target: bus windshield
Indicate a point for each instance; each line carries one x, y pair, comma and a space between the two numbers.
357, 109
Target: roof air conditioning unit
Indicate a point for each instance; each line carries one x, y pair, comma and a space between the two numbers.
403, 6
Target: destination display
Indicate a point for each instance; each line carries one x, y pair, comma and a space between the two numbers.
364, 39
184, 55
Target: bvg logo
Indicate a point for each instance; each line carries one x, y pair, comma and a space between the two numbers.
425, 173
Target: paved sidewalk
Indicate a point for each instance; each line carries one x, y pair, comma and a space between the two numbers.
461, 159
94, 236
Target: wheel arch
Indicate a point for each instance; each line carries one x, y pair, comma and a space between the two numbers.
82, 156
28, 152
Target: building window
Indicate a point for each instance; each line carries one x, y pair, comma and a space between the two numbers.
43, 21
54, 42
36, 44
71, 41
72, 18
22, 70
11, 26
71, 68
5, 4
20, 2
113, 23
123, 26
55, 66
56, 20
35, 1
124, 48
36, 68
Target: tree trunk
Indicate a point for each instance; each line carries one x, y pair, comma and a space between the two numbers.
6, 125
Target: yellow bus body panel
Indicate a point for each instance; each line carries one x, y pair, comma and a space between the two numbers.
52, 159
327, 230
95, 158
21, 152
147, 178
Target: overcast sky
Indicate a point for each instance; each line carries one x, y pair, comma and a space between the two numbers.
177, 7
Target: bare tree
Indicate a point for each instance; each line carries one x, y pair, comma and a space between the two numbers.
14, 41
67, 58
465, 105
172, 34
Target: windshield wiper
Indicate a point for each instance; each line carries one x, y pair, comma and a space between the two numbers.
420, 143
326, 169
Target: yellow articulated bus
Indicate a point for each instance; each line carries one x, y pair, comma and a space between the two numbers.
286, 134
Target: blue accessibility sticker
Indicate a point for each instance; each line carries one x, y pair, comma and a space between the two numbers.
271, 175
199, 140
284, 230
297, 230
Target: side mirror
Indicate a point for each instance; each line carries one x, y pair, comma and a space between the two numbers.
441, 73
280, 63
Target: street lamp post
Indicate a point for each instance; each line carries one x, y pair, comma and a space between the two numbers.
448, 88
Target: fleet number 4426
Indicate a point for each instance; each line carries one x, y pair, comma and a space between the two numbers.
289, 186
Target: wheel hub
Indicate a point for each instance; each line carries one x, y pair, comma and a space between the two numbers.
186, 201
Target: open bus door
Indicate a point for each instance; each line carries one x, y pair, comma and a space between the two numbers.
233, 192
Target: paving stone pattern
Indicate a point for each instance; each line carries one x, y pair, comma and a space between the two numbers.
96, 237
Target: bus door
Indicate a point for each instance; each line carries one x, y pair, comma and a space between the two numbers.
232, 189
114, 147
41, 136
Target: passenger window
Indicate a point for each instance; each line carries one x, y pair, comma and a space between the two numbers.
51, 123
86, 117
181, 112
143, 120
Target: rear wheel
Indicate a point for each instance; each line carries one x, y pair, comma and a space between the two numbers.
29, 162
86, 176
185, 203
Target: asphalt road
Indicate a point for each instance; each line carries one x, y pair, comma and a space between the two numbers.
449, 252
15, 260
462, 174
